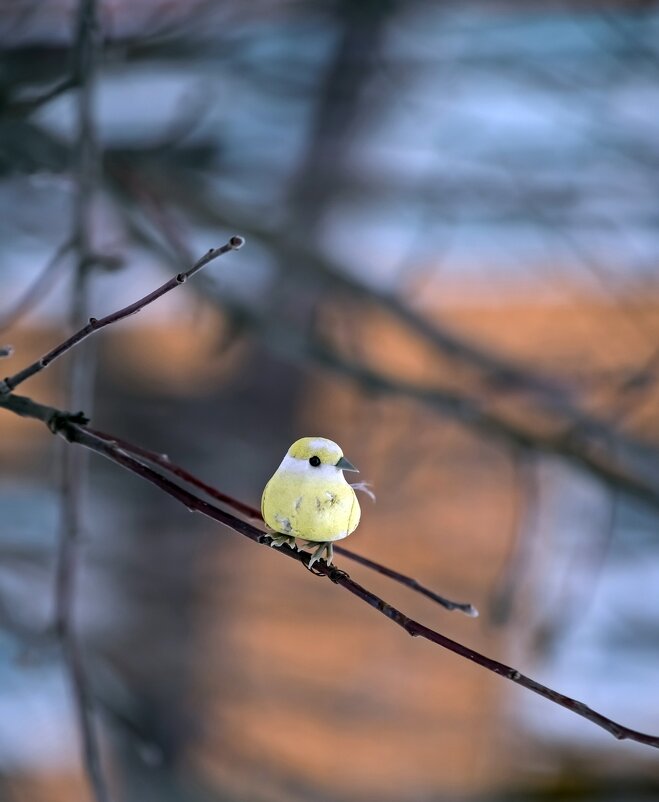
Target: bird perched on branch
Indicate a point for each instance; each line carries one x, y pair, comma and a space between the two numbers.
309, 498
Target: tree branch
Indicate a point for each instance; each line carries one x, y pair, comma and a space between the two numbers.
577, 436
577, 446
72, 428
163, 461
80, 391
11, 382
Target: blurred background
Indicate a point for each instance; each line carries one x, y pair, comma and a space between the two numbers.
451, 269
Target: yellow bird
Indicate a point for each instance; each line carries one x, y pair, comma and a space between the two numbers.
308, 497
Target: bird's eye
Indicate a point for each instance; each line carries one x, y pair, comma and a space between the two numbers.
315, 461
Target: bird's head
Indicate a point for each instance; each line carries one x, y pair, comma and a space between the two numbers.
317, 453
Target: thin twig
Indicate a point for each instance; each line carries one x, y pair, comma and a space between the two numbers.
252, 513
37, 289
526, 492
576, 594
11, 382
28, 105
72, 428
467, 609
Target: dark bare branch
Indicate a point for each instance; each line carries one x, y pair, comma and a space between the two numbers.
72, 429
11, 382
252, 513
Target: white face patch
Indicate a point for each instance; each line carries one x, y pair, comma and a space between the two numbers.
303, 466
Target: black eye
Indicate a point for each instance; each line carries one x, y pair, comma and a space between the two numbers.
315, 461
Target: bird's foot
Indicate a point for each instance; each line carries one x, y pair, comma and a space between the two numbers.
318, 553
279, 540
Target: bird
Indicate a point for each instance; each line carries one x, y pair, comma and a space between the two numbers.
309, 498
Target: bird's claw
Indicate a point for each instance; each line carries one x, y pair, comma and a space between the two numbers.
318, 553
279, 540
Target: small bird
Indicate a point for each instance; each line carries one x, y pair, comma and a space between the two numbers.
308, 497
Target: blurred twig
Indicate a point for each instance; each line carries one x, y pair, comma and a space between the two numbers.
583, 439
577, 592
80, 391
575, 444
72, 428
27, 106
305, 261
586, 431
527, 493
37, 290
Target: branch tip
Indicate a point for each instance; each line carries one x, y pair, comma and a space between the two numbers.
236, 242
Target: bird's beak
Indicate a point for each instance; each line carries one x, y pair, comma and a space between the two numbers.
344, 465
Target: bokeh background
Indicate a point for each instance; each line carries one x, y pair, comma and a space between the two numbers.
458, 197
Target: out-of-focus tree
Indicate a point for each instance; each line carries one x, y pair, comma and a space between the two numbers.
388, 162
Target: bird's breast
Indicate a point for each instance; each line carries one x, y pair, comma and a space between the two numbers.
311, 510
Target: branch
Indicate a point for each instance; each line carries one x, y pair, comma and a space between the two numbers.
526, 490
72, 428
467, 609
84, 52
501, 372
583, 439
163, 461
11, 382
578, 447
307, 264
